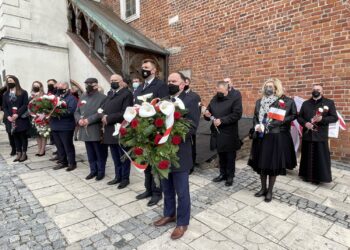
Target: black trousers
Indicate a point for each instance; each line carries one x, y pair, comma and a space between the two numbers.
21, 141
150, 185
227, 161
65, 147
194, 148
12, 142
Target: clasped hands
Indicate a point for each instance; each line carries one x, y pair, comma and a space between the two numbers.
217, 122
12, 118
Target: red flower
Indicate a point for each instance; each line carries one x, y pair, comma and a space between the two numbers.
123, 131
138, 151
159, 122
39, 99
282, 104
163, 164
157, 139
134, 123
177, 115
176, 140
64, 105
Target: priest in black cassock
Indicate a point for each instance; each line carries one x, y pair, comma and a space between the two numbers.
315, 116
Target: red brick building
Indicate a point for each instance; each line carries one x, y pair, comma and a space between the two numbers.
299, 41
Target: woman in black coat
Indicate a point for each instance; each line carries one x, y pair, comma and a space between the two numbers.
272, 148
15, 106
10, 136
225, 110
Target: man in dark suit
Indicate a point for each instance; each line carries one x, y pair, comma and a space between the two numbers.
177, 182
118, 99
193, 95
158, 89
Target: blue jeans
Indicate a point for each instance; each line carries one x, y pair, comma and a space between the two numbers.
177, 185
122, 168
97, 156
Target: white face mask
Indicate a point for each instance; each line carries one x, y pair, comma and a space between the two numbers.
135, 85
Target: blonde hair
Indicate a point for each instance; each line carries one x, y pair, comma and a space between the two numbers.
277, 84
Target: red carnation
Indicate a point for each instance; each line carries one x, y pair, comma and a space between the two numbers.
39, 99
138, 151
177, 115
163, 164
159, 122
134, 123
64, 105
157, 139
123, 131
176, 140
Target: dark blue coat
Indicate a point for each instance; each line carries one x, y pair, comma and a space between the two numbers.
185, 148
157, 87
21, 102
66, 121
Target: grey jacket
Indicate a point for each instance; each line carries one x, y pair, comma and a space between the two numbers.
88, 111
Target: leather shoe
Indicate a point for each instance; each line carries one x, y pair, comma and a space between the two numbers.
163, 221
268, 197
90, 176
54, 153
99, 177
178, 232
71, 168
123, 184
113, 182
219, 178
229, 182
154, 201
60, 166
144, 195
54, 158
262, 192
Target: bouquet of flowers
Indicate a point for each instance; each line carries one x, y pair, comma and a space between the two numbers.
44, 107
152, 133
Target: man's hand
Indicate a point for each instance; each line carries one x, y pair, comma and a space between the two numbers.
207, 114
86, 122
317, 118
81, 123
104, 120
258, 129
9, 118
14, 117
217, 122
309, 125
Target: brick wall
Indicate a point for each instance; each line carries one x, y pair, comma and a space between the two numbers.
299, 41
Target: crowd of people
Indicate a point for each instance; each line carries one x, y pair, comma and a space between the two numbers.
272, 151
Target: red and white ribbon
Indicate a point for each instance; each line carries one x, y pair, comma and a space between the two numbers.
168, 109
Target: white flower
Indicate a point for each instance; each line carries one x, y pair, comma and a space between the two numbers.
178, 102
326, 108
145, 97
100, 111
147, 110
167, 108
83, 102
130, 114
281, 101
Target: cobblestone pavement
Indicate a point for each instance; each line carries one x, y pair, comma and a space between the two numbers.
45, 209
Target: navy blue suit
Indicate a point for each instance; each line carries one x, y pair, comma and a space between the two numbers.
159, 89
177, 183
63, 131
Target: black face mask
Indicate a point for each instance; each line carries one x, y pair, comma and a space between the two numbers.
315, 94
173, 89
115, 85
36, 89
51, 89
146, 73
220, 95
268, 91
186, 87
89, 89
61, 91
11, 85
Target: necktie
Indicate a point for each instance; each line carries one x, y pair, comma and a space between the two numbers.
145, 85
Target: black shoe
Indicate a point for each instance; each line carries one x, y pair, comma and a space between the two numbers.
54, 153
60, 166
191, 171
99, 177
123, 184
13, 152
262, 192
90, 176
54, 158
268, 197
114, 181
71, 168
154, 201
219, 178
144, 195
229, 182
40, 155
